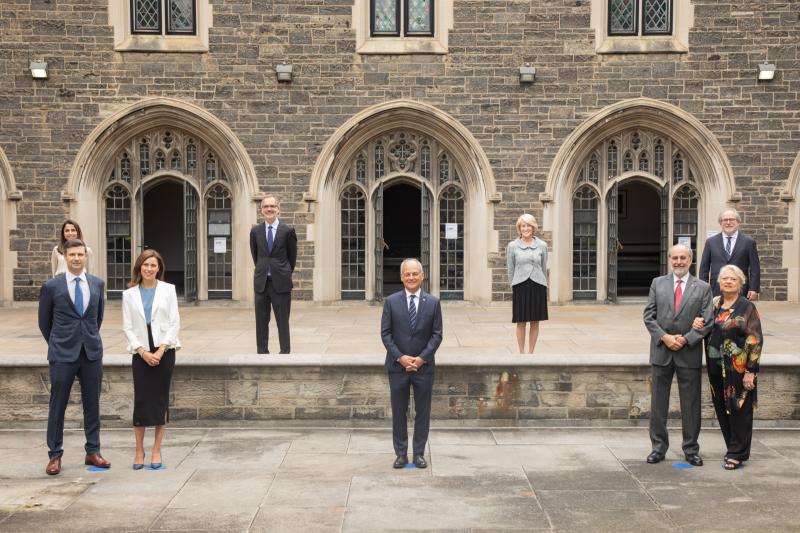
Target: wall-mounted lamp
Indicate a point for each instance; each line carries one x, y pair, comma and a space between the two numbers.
527, 73
284, 72
39, 70
766, 71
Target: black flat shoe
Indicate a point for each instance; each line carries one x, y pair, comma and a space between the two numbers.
694, 459
400, 461
655, 457
420, 462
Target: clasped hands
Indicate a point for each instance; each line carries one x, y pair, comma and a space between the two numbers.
674, 342
153, 358
411, 363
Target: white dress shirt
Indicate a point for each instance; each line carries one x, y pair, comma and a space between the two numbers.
675, 279
84, 288
733, 237
274, 227
416, 298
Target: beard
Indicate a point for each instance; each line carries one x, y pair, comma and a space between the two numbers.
680, 272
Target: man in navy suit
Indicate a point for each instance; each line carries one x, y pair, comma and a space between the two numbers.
411, 330
731, 247
273, 246
70, 314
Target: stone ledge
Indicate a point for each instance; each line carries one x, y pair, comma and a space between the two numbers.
488, 360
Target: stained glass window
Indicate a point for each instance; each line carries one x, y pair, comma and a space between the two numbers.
640, 17
385, 17
147, 16
657, 17
180, 16
659, 158
395, 18
419, 17
622, 17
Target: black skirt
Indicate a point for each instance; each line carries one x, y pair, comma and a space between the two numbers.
151, 387
529, 302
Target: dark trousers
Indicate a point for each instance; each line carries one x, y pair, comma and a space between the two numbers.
400, 384
737, 427
689, 391
281, 304
62, 376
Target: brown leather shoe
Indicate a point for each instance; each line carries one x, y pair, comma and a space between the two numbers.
95, 459
53, 467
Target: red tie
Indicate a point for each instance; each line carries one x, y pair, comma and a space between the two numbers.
678, 294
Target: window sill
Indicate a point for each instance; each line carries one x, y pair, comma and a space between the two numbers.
642, 45
159, 43
401, 46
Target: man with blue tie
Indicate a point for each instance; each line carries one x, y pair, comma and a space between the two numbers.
731, 247
273, 245
411, 330
70, 314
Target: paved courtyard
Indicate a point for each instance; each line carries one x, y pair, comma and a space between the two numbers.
355, 328
332, 480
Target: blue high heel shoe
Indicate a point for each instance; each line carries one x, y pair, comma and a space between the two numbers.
138, 466
155, 466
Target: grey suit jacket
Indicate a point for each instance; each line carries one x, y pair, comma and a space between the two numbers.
63, 328
660, 317
280, 262
398, 337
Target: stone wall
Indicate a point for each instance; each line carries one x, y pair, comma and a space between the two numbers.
308, 393
284, 126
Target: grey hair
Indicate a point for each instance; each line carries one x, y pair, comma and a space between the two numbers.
411, 260
691, 254
736, 272
730, 210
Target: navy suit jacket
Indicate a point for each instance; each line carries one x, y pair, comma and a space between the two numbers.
280, 262
398, 337
65, 331
745, 256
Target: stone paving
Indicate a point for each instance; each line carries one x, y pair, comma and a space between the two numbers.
332, 480
354, 328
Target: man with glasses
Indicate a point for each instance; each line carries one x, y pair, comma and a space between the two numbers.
731, 247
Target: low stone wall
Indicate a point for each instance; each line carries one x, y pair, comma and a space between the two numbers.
499, 390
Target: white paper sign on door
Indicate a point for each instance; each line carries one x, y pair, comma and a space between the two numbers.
451, 231
220, 245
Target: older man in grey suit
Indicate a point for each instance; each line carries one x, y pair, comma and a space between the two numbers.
674, 302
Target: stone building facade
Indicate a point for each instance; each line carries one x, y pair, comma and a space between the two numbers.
162, 123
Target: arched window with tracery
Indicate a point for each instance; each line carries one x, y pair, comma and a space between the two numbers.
354, 243
685, 219
220, 257
451, 243
118, 240
584, 243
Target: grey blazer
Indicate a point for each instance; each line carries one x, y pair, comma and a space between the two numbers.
660, 317
527, 262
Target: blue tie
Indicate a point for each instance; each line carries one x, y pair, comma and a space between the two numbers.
412, 311
270, 240
78, 297
728, 246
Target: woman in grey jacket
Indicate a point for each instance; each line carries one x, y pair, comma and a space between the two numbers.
527, 274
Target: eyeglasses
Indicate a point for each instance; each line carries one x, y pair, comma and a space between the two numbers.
728, 220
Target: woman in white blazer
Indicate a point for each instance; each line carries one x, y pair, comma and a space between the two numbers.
151, 322
69, 230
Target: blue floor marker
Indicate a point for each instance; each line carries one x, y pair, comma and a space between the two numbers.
410, 465
682, 466
97, 469
162, 467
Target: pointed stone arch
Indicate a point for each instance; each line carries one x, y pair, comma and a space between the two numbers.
713, 174
88, 179
332, 168
791, 248
9, 196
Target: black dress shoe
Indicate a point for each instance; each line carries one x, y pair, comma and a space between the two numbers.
400, 461
694, 459
655, 457
419, 461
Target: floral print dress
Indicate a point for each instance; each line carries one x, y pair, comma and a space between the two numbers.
734, 346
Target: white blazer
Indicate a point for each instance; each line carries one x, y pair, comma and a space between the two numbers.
165, 322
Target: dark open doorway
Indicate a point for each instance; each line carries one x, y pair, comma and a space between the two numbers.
401, 231
163, 228
639, 208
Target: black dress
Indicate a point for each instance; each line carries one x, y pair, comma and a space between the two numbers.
151, 387
528, 302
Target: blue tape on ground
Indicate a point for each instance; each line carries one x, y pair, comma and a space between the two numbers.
97, 469
682, 466
162, 467
410, 465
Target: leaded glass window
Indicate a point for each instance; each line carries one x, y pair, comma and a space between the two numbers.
146, 16
220, 264
584, 244
118, 240
380, 164
644, 162
125, 168
425, 161
612, 158
594, 169
396, 18
354, 241
180, 16
684, 215
659, 158
444, 169
160, 160
451, 250
623, 17
175, 161
211, 169
191, 156
627, 162
677, 167
144, 158
657, 17
361, 169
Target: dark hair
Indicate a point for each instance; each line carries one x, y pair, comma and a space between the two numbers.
74, 243
136, 271
62, 240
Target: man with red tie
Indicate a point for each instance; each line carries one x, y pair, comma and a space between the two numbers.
674, 302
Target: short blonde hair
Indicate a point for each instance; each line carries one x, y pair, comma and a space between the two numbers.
736, 272
529, 220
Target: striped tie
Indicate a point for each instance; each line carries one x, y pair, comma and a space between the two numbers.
728, 247
412, 312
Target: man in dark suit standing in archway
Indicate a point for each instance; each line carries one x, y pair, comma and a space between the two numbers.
273, 245
731, 247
